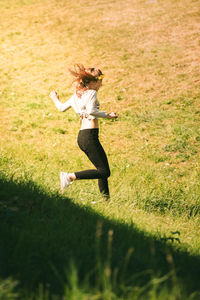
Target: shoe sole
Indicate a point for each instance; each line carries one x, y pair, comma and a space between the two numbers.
62, 187
63, 179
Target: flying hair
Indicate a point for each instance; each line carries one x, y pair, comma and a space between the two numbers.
83, 76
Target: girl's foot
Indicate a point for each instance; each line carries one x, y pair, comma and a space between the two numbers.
65, 181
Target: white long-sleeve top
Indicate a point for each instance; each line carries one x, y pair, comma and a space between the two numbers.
86, 106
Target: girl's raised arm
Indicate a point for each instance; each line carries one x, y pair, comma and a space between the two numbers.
60, 106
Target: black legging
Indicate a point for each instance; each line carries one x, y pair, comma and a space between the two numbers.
88, 141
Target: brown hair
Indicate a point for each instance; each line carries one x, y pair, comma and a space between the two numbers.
83, 76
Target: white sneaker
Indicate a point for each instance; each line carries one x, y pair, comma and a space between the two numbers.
65, 181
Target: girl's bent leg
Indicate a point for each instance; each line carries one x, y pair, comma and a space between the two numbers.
89, 143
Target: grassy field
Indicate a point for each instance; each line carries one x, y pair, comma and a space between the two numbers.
144, 243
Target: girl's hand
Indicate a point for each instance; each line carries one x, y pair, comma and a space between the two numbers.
112, 115
53, 95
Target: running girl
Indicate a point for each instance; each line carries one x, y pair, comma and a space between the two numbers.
84, 101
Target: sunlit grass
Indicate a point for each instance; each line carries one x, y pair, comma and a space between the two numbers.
149, 52
158, 116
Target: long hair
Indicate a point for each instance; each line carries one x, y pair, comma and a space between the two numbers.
83, 76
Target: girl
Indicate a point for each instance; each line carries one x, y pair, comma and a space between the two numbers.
87, 82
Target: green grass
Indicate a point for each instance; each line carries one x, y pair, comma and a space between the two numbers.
149, 52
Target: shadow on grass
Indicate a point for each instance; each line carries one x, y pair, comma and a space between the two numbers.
41, 234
